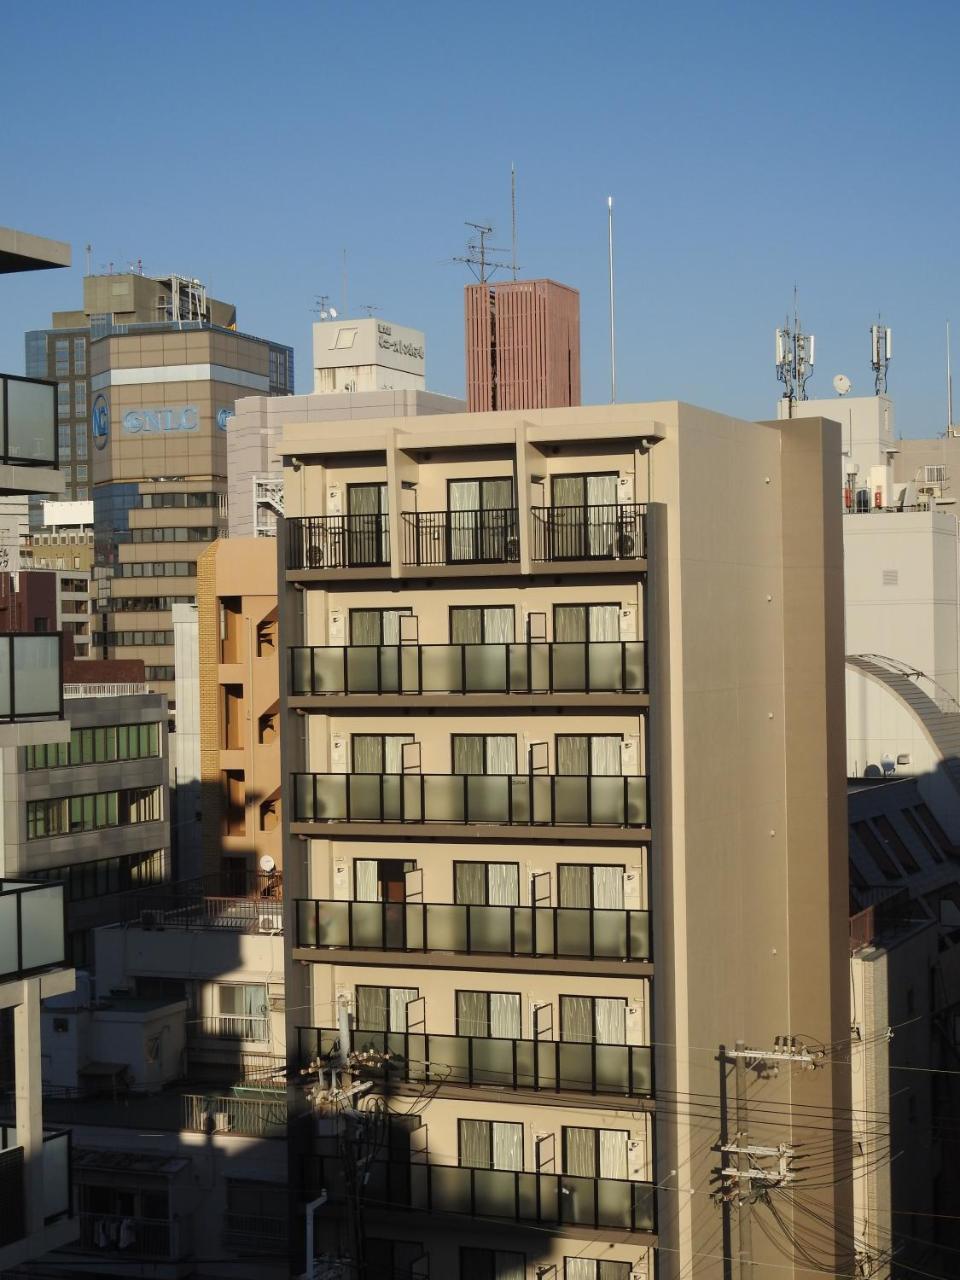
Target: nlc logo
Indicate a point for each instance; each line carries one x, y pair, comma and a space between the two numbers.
100, 422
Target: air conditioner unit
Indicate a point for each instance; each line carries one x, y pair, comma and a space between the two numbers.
270, 923
626, 546
315, 557
221, 1122
511, 548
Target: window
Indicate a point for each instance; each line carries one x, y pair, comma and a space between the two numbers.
935, 474
257, 1212
378, 752
384, 1008
80, 492
492, 1264
482, 520
85, 880
156, 569
61, 357
892, 839
394, 1258
486, 883
376, 626
69, 815
242, 1010
595, 1153
80, 399
80, 355
63, 399
482, 625
597, 754
912, 822
80, 442
490, 1144
80, 471
595, 1269
380, 879
933, 826
589, 885
368, 541
868, 839
154, 501
171, 533
158, 673
137, 639
583, 622
593, 1020
63, 441
584, 516
484, 753
491, 1014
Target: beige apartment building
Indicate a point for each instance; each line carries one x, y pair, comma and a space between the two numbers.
565, 844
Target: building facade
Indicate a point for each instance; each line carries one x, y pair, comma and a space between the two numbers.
564, 825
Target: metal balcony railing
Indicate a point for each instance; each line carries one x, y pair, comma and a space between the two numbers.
32, 928
234, 1026
31, 677
516, 1196
106, 1234
57, 1182
337, 542
252, 1117
555, 932
607, 666
255, 1233
609, 531
461, 537
551, 1065
528, 799
28, 422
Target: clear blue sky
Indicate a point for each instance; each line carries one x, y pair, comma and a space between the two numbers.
749, 147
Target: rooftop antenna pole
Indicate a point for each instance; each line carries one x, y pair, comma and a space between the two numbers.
343, 289
88, 250
949, 386
613, 337
513, 216
881, 352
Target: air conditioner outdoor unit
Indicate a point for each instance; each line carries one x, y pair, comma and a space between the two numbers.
270, 923
221, 1122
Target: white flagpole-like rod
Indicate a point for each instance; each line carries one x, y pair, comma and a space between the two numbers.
613, 334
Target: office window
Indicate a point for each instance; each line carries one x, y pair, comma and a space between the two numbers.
80, 471
490, 1144
63, 399
593, 1020
594, 1269
61, 357
384, 1008
486, 883
491, 1014
80, 355
484, 752
70, 815
590, 885
595, 1153
63, 440
589, 753
482, 624
85, 880
81, 493
80, 441
79, 398
492, 1264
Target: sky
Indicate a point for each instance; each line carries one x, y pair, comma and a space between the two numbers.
750, 148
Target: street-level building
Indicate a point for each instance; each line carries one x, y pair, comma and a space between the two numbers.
564, 825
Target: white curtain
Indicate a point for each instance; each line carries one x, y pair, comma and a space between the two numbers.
509, 1266
366, 886
601, 491
463, 495
605, 758
613, 1153
367, 753
393, 751
570, 623
391, 624
470, 883
580, 1152
466, 626
472, 1013
365, 626
503, 882
475, 1144
501, 753
505, 1015
400, 997
507, 1145
611, 1020
574, 885
576, 1019
573, 754
498, 625
608, 888
467, 753
579, 1269
604, 622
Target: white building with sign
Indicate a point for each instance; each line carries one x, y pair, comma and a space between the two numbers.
367, 355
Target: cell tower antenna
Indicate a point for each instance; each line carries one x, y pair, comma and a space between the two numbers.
881, 352
477, 257
513, 220
795, 353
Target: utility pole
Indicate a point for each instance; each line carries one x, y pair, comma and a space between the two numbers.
744, 1204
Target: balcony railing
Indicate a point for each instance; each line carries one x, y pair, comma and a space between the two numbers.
253, 1117
31, 683
609, 531
28, 422
528, 799
254, 1233
555, 1198
172, 910
337, 542
418, 1058
32, 927
106, 1234
556, 932
607, 666
234, 1026
57, 1182
461, 537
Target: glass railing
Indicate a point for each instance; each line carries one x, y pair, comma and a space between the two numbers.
57, 1181
528, 799
604, 666
31, 927
608, 531
556, 1198
28, 422
562, 932
337, 542
31, 677
57, 1176
418, 1058
460, 537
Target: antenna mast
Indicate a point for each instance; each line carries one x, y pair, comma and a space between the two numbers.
477, 257
795, 356
513, 219
881, 351
613, 327
949, 387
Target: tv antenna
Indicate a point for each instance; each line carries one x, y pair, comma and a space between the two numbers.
881, 350
323, 308
477, 257
369, 308
795, 356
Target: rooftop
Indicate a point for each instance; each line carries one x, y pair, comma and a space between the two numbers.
20, 251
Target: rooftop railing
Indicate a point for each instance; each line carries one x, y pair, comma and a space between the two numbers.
337, 542
32, 928
28, 422
554, 932
528, 799
485, 1061
600, 666
460, 537
31, 677
609, 531
100, 690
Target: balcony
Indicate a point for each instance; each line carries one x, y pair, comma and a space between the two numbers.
264, 1117
28, 422
534, 667
556, 933
621, 1070
606, 532
256, 1233
31, 681
32, 927
435, 538
508, 799
117, 1238
57, 1184
338, 542
557, 1199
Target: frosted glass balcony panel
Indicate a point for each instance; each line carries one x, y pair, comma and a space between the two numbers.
328, 669
573, 931
636, 677
490, 929
488, 797
444, 796
569, 667
571, 800
446, 927
486, 668
605, 667
333, 924
495, 1193
362, 669
442, 669
41, 922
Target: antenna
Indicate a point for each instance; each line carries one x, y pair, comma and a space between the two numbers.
513, 219
881, 351
369, 308
323, 308
88, 250
613, 327
949, 386
343, 288
477, 257
794, 358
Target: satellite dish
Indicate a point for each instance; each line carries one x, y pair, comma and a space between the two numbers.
333, 313
841, 384
267, 863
